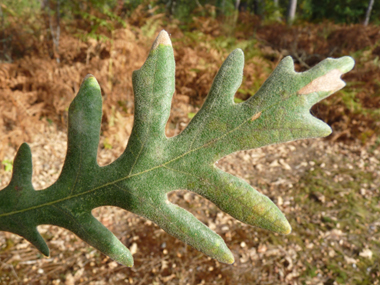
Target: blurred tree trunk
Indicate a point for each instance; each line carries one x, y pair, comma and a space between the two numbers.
222, 6
258, 7
292, 11
255, 7
276, 12
44, 4
368, 14
170, 5
237, 4
3, 35
55, 33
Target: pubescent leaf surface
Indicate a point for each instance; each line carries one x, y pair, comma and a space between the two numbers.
153, 165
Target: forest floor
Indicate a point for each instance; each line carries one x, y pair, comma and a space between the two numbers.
327, 188
328, 191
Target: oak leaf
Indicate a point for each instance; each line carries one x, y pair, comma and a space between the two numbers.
153, 165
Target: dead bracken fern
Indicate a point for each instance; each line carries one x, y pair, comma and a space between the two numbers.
36, 78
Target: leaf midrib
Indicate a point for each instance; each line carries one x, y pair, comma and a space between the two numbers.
139, 173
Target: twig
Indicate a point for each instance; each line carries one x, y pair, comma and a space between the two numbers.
301, 61
28, 262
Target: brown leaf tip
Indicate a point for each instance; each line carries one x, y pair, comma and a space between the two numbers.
162, 38
330, 82
288, 229
87, 77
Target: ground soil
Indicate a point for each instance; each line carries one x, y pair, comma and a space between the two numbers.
322, 238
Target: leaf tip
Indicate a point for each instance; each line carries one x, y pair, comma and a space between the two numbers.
35, 238
287, 63
330, 82
326, 130
23, 153
22, 165
44, 250
347, 63
163, 39
287, 229
88, 76
90, 81
226, 256
126, 261
281, 226
231, 260
238, 51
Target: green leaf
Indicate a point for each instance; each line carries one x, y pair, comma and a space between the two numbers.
153, 165
238, 100
8, 165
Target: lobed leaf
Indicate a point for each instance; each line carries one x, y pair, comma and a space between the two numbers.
153, 165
